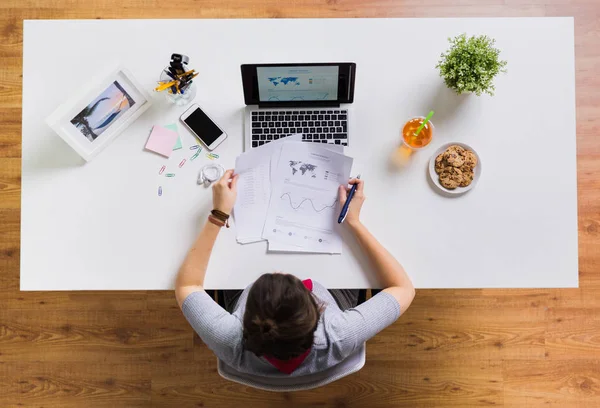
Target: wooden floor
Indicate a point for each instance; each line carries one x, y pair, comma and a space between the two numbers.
513, 348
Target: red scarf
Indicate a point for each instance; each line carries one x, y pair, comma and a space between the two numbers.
288, 366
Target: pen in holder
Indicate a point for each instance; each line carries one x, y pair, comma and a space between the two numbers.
179, 97
176, 81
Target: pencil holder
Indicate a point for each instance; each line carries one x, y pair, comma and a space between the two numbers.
178, 99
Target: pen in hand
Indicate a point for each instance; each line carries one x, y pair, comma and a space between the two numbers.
344, 212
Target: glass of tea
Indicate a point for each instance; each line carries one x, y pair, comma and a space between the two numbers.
423, 138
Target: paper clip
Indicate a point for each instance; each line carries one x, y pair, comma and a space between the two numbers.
162, 169
159, 191
195, 155
213, 155
194, 147
170, 175
182, 163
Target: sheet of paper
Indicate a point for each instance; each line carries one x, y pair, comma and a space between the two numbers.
161, 140
173, 127
253, 197
303, 209
277, 153
276, 246
254, 189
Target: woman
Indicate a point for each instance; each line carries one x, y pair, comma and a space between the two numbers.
281, 326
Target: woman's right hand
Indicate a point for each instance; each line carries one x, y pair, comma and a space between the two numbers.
353, 216
225, 192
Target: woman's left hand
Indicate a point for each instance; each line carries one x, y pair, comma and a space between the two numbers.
225, 192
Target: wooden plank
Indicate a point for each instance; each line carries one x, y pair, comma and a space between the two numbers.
162, 300
484, 298
379, 384
76, 385
12, 298
10, 234
573, 333
553, 384
10, 147
10, 184
94, 336
434, 333
275, 9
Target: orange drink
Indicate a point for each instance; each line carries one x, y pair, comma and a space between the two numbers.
424, 137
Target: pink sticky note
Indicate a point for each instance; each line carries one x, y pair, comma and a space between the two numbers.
161, 140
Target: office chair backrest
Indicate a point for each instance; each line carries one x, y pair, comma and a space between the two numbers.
350, 365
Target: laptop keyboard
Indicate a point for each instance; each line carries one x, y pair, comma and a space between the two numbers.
317, 126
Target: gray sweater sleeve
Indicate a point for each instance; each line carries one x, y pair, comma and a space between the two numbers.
350, 329
218, 329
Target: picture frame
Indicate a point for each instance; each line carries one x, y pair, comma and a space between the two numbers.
92, 118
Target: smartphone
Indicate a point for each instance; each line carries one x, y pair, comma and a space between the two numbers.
205, 129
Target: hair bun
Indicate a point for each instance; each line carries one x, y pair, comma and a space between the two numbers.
267, 326
281, 317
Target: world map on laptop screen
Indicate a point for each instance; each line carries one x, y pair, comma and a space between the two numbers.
298, 83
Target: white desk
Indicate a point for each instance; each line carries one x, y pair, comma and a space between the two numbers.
102, 226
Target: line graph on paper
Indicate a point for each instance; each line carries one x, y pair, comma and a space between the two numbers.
318, 207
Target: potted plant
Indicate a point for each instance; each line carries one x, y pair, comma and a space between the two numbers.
471, 64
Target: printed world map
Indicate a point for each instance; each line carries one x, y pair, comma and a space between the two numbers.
304, 168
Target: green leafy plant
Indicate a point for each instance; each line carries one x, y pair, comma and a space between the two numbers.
471, 64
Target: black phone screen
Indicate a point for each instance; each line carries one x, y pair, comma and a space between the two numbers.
203, 127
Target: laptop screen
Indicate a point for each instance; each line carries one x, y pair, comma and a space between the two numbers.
303, 84
297, 83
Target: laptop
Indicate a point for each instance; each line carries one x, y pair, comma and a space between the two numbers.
287, 99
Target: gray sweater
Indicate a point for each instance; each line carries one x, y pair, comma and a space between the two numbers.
338, 334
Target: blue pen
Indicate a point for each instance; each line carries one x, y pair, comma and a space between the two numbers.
344, 212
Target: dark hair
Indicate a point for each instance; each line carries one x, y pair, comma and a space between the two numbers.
281, 317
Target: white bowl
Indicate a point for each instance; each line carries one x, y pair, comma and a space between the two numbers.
436, 179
